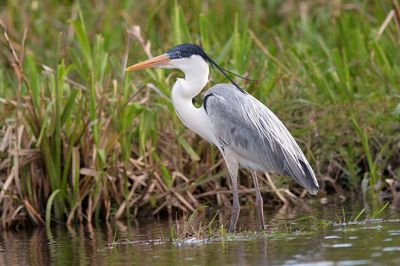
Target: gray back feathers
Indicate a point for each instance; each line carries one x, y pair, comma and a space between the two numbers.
252, 131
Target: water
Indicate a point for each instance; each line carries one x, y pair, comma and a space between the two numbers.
319, 235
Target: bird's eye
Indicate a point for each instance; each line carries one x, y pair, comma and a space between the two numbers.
178, 54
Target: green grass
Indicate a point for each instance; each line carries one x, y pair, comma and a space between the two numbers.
96, 143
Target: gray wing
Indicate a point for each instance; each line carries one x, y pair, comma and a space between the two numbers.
253, 132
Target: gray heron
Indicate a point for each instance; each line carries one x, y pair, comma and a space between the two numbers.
244, 130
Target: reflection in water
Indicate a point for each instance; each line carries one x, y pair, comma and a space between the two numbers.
22, 248
292, 239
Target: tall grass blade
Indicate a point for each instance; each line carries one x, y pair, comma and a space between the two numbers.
49, 205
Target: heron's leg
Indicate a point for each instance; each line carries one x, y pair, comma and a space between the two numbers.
233, 167
235, 203
259, 201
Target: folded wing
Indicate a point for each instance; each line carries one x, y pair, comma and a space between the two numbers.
247, 127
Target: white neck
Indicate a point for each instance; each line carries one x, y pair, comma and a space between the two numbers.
184, 90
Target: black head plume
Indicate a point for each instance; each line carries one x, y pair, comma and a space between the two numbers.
189, 49
186, 50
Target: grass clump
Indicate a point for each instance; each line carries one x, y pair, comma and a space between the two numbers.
80, 141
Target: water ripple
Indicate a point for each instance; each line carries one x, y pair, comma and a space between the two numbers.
390, 249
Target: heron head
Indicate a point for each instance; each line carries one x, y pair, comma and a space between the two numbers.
189, 58
182, 57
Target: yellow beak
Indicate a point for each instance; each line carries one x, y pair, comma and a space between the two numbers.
160, 60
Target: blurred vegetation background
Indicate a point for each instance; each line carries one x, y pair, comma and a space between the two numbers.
82, 141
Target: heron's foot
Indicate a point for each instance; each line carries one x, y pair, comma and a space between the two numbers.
262, 227
260, 215
232, 227
234, 216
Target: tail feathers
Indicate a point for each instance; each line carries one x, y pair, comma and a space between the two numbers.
311, 182
304, 176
